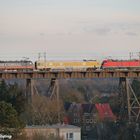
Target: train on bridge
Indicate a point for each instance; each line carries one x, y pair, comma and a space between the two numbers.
85, 65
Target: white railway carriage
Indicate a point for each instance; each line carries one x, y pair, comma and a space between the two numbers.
16, 65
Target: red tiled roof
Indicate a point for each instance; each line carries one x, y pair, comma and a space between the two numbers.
105, 111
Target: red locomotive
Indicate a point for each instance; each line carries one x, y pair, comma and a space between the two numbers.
120, 64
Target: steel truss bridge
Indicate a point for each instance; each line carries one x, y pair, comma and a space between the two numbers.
128, 99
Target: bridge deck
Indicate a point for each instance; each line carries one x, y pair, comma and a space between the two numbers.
74, 74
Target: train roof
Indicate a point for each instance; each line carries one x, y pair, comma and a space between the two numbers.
15, 61
122, 60
84, 60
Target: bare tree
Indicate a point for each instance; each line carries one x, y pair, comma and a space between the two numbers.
43, 110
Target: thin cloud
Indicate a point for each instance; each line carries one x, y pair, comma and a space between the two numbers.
102, 31
131, 34
130, 29
97, 30
42, 34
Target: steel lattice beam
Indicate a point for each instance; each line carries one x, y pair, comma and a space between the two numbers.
129, 102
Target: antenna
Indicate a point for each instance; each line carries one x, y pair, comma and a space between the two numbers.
134, 54
39, 56
139, 55
45, 56
130, 55
42, 56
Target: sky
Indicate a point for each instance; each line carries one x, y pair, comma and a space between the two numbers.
69, 29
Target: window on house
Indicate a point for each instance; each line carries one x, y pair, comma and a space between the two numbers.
76, 120
88, 128
52, 134
75, 114
91, 120
69, 136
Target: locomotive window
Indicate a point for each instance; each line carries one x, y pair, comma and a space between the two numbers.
1, 64
104, 61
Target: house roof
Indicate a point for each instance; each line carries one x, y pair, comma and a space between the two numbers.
87, 108
105, 111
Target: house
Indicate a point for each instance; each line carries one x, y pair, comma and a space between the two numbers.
67, 132
86, 116
2, 137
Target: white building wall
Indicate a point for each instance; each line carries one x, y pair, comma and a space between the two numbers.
77, 136
68, 132
65, 133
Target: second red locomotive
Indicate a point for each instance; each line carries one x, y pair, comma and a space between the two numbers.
120, 64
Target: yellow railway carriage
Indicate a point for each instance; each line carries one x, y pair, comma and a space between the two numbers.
86, 65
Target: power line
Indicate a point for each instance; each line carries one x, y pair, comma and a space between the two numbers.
76, 55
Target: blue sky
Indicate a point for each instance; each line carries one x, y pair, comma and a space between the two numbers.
69, 29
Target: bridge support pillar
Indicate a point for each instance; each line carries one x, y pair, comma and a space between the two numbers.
123, 97
53, 93
30, 89
130, 105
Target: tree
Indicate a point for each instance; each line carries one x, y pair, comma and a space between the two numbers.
43, 111
12, 94
17, 98
8, 116
4, 94
11, 106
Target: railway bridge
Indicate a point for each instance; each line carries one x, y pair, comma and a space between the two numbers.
70, 74
128, 97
